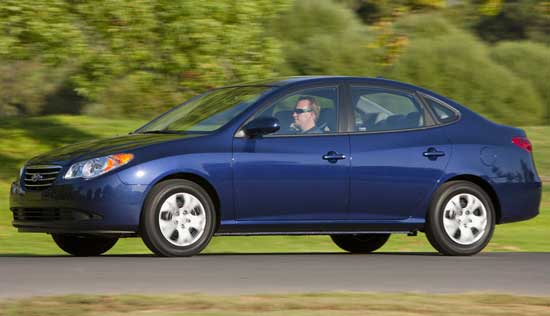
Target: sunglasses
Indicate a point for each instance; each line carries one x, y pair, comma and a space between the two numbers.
300, 111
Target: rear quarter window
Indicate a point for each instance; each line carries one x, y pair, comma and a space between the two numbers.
443, 113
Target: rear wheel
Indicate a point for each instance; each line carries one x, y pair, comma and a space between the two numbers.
178, 219
461, 219
84, 246
360, 243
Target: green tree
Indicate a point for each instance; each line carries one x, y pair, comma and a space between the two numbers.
39, 43
174, 49
25, 85
38, 29
531, 62
324, 37
371, 11
452, 62
139, 56
500, 20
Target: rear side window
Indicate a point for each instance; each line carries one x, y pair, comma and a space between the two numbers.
385, 110
443, 113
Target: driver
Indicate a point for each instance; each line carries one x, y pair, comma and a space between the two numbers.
306, 113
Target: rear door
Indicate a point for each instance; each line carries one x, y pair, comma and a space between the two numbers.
398, 155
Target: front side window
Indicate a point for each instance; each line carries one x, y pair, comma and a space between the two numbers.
308, 111
383, 110
208, 112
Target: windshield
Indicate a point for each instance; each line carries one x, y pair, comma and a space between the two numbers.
207, 112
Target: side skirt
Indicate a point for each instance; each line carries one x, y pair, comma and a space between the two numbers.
319, 228
410, 233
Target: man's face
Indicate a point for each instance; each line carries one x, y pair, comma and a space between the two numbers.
306, 119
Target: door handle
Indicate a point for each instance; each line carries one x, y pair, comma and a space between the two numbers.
333, 156
433, 153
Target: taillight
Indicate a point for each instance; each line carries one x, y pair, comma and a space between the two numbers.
523, 142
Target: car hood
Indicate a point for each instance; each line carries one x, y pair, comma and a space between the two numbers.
103, 147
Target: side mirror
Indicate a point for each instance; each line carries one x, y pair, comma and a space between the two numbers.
262, 126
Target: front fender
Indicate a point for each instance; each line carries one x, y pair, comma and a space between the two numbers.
215, 168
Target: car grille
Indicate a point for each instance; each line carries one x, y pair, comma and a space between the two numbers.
40, 177
50, 214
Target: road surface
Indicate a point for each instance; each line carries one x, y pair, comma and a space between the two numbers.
515, 273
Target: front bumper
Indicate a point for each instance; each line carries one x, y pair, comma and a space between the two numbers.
104, 205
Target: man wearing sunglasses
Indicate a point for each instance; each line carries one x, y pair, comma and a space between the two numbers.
305, 114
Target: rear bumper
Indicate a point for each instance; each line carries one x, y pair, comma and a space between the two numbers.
518, 201
100, 206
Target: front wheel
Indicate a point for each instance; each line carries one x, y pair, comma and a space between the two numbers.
461, 219
84, 246
178, 219
360, 243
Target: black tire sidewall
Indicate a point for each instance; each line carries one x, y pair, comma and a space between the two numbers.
361, 243
150, 228
84, 246
435, 229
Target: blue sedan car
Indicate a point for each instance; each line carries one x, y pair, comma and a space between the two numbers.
354, 158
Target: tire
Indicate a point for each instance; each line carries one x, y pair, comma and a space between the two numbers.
461, 219
178, 219
360, 243
84, 246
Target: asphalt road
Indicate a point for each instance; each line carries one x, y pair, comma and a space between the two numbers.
517, 273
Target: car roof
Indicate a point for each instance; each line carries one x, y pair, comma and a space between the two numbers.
285, 81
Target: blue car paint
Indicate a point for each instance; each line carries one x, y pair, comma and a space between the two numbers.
390, 177
240, 170
117, 204
214, 167
484, 149
297, 183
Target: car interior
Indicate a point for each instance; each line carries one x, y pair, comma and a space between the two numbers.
327, 121
379, 111
374, 111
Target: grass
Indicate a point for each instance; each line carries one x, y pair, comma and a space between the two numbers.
22, 138
297, 304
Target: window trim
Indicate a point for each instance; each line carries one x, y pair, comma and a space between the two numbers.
285, 93
427, 115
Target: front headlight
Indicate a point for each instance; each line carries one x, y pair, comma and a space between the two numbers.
21, 172
97, 166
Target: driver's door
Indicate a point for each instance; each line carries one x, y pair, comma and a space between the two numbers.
287, 176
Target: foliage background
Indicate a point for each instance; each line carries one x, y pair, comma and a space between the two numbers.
125, 58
